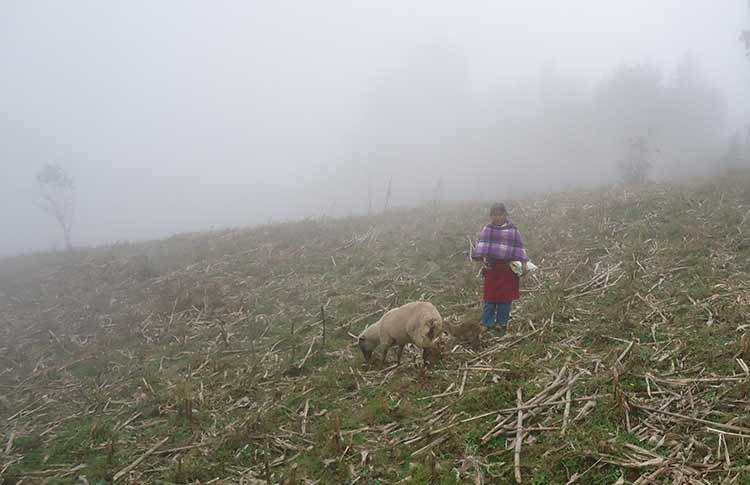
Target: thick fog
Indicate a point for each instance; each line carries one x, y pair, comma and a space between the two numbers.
186, 115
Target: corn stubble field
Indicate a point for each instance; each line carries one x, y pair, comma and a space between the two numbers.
229, 357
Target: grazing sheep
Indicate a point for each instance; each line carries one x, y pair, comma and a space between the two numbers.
466, 331
417, 322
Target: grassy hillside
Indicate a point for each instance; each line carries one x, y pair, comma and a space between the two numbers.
202, 358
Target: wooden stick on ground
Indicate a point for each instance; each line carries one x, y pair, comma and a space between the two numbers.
730, 427
309, 352
533, 401
179, 448
566, 413
429, 446
266, 466
625, 352
323, 313
9, 446
519, 437
7, 465
151, 451
128, 421
25, 408
410, 440
463, 383
540, 400
304, 416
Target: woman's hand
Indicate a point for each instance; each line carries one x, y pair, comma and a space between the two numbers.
485, 267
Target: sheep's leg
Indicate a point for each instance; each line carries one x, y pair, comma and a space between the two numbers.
425, 363
398, 354
385, 354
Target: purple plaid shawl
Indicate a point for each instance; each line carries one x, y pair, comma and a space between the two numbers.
500, 242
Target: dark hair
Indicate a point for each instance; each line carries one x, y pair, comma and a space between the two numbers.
498, 208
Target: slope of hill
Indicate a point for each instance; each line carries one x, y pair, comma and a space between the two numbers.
228, 357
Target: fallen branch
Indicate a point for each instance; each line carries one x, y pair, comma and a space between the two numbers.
625, 352
731, 427
150, 452
519, 438
428, 447
309, 352
304, 417
503, 427
9, 446
179, 448
566, 413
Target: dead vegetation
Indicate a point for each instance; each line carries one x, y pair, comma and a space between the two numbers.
228, 357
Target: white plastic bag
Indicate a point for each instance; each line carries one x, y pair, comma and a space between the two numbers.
517, 267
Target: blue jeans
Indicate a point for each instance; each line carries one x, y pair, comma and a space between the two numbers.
496, 313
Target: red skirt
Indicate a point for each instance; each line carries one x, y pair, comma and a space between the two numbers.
500, 283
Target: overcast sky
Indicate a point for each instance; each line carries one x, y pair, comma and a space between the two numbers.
181, 115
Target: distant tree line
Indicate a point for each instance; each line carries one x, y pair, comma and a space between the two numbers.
426, 122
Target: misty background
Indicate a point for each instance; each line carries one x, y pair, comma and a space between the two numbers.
185, 115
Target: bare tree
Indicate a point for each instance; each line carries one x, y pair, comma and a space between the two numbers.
56, 197
636, 162
388, 194
437, 193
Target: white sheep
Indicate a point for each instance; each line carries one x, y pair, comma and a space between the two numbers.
417, 322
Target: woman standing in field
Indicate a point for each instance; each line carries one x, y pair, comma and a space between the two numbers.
499, 244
